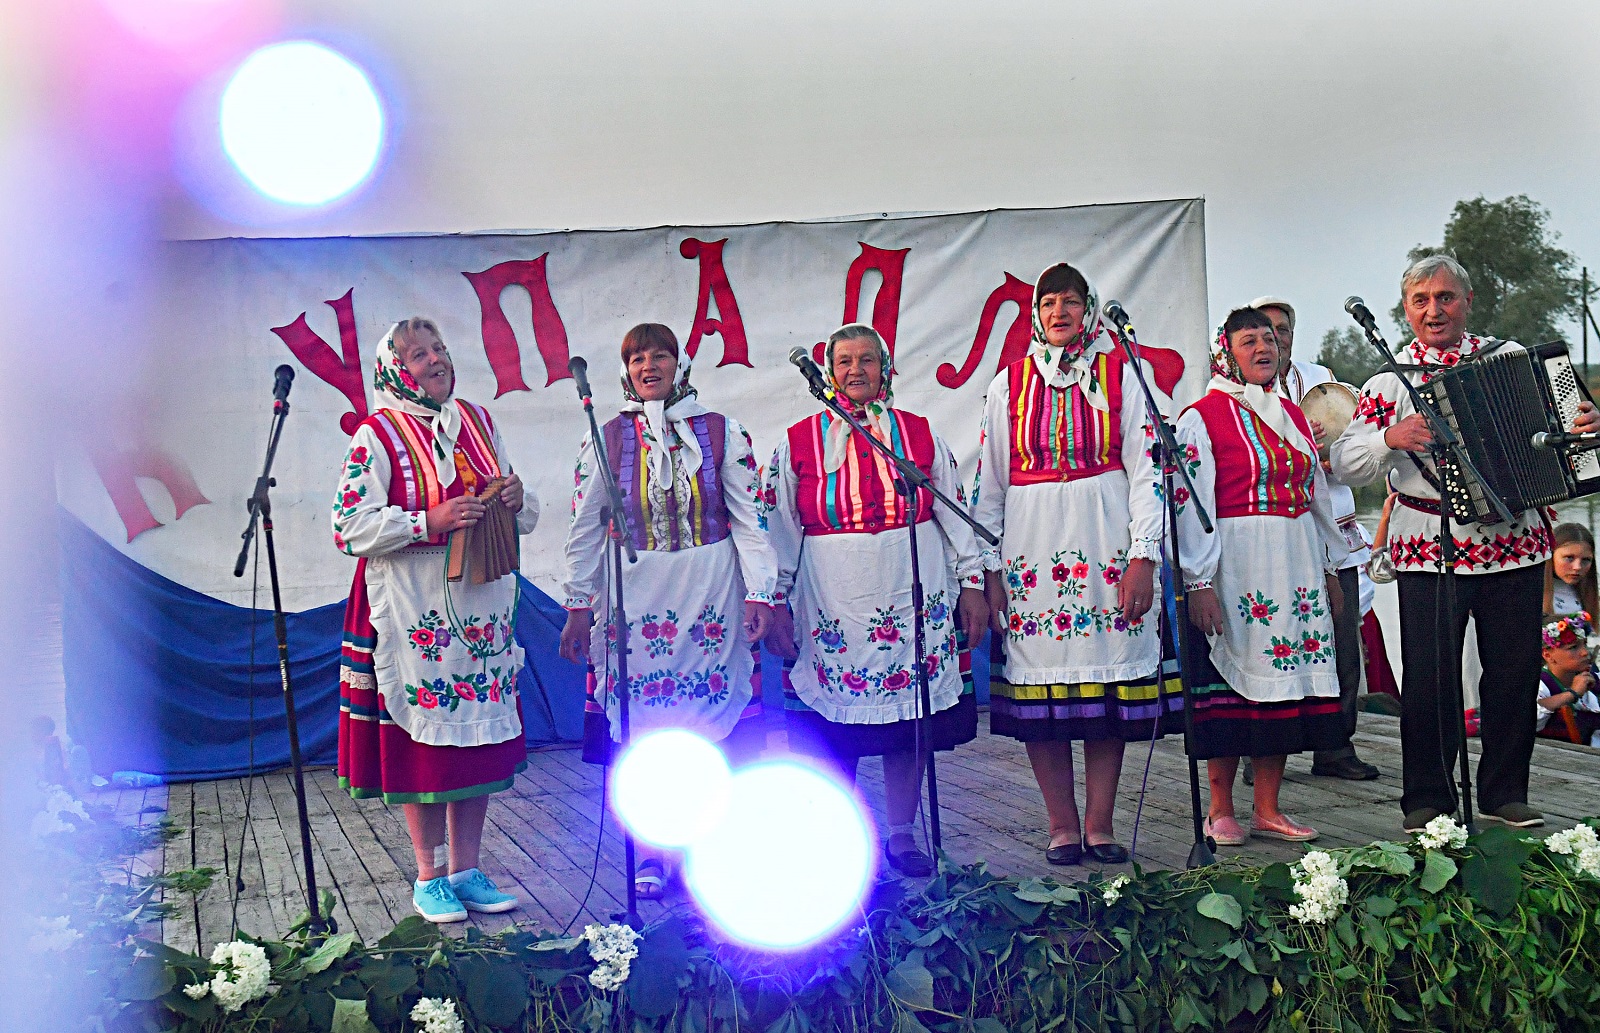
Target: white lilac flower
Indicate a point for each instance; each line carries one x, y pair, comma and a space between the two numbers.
53, 935
1113, 888
244, 974
1442, 832
434, 1015
613, 949
58, 801
1322, 891
195, 991
1581, 844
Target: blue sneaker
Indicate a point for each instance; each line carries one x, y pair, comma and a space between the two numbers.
477, 892
436, 901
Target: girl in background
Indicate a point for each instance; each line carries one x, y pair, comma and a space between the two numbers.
1569, 577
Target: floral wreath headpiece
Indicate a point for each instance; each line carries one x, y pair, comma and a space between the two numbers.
1567, 631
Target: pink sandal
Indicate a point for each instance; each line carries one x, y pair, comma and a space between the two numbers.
1290, 831
1227, 831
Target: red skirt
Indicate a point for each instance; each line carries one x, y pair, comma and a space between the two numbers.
379, 758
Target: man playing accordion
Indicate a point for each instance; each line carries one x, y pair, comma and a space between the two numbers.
1500, 569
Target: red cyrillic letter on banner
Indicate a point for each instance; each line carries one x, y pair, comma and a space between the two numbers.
117, 471
343, 373
1016, 344
886, 305
714, 286
500, 341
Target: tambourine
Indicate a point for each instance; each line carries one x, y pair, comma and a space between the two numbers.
1332, 405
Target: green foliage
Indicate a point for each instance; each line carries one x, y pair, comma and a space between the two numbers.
1346, 352
1500, 935
1522, 283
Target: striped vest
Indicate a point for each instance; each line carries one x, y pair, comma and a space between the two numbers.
708, 510
1258, 474
413, 478
1056, 435
859, 497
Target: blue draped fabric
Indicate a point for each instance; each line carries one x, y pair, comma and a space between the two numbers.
159, 677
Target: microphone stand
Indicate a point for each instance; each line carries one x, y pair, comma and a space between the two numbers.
260, 506
910, 482
621, 536
1166, 452
1445, 445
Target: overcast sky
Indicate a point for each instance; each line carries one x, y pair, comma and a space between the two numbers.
1326, 140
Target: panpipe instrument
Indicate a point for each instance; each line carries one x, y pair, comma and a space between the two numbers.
489, 549
1496, 404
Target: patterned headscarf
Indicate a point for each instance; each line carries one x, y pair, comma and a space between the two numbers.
1265, 402
1563, 632
1073, 362
395, 388
674, 412
873, 414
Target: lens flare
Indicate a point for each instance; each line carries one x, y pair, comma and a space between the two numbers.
301, 123
670, 787
790, 861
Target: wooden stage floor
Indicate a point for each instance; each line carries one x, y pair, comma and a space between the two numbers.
540, 837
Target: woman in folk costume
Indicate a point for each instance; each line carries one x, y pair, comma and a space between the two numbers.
1066, 479
700, 596
844, 563
429, 715
1264, 588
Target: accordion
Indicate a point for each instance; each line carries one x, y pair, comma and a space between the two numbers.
489, 549
1495, 404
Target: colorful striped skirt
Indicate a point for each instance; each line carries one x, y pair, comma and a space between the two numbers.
378, 758
1228, 725
1133, 711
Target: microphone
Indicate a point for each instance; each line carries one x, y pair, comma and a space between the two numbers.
809, 369
1360, 313
1118, 316
578, 366
1548, 440
282, 377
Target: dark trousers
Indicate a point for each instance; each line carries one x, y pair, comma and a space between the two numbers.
1347, 658
1506, 606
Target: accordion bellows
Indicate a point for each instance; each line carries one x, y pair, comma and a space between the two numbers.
489, 549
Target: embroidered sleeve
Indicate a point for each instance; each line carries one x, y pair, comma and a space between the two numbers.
586, 538
783, 517
740, 486
1360, 455
1337, 549
1146, 511
958, 534
364, 524
1200, 552
994, 468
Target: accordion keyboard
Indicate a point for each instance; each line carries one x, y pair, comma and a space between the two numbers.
1563, 381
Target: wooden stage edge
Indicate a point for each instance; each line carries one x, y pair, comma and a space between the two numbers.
540, 839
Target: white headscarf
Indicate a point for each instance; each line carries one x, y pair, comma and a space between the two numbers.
660, 416
1074, 363
873, 414
397, 389
1263, 401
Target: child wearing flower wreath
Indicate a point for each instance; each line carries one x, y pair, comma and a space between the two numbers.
1568, 708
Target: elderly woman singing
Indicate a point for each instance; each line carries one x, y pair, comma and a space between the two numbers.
700, 596
1263, 589
429, 715
845, 567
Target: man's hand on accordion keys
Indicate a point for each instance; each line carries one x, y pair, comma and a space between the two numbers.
454, 514
1587, 420
1410, 434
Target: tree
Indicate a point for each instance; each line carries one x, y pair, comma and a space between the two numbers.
1347, 353
1522, 283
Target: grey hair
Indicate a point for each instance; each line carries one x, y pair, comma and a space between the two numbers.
1427, 266
854, 332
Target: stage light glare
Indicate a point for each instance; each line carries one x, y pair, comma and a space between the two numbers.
790, 861
301, 123
670, 787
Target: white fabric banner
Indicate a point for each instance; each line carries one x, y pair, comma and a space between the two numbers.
950, 292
